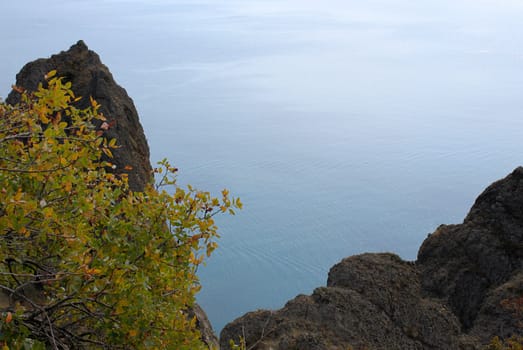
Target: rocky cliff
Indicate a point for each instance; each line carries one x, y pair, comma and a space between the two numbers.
91, 78
453, 297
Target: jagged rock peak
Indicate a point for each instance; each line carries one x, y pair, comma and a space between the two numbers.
90, 77
81, 45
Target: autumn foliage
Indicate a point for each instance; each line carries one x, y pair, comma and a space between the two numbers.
84, 261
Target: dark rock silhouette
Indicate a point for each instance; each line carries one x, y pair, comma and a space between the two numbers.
453, 297
91, 78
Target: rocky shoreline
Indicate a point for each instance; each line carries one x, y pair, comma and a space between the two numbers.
452, 297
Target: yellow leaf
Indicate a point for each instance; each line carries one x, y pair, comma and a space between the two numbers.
18, 195
43, 115
239, 204
50, 74
48, 212
107, 152
133, 333
93, 271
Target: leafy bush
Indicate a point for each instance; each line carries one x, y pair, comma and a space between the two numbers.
84, 261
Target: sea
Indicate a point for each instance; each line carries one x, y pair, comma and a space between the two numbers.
344, 126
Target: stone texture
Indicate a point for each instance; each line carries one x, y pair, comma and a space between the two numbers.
90, 77
462, 264
372, 301
496, 316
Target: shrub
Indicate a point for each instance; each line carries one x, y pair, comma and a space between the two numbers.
84, 261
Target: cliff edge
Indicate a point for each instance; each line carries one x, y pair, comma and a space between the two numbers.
452, 297
91, 78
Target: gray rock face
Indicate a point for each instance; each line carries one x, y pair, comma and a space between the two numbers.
496, 316
475, 265
453, 297
90, 77
372, 301
395, 287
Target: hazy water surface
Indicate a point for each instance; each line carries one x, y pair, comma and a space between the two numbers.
344, 126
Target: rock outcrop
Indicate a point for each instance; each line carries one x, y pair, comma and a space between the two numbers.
455, 296
473, 266
91, 78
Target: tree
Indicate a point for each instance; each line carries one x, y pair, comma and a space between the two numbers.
84, 261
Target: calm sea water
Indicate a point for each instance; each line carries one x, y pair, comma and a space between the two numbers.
344, 126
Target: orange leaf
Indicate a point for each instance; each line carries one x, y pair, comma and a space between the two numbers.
17, 89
